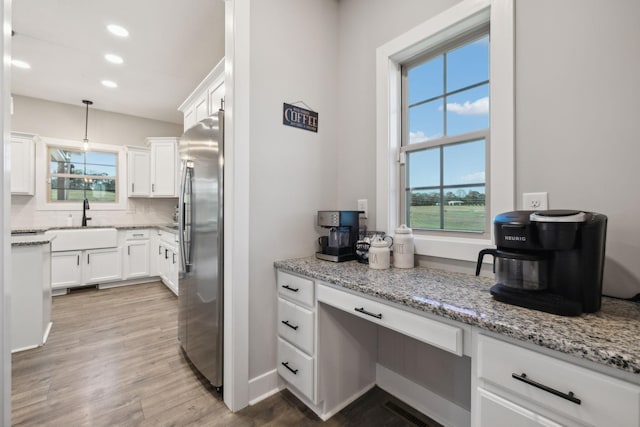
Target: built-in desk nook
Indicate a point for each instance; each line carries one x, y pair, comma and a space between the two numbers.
438, 341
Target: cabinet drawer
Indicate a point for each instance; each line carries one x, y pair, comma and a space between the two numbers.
295, 324
603, 400
296, 368
137, 234
295, 288
430, 331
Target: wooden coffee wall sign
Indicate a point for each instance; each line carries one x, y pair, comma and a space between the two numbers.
300, 118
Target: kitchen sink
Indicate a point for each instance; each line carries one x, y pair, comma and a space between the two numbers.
80, 239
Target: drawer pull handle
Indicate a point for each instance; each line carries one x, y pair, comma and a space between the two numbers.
368, 313
286, 322
286, 365
290, 288
569, 396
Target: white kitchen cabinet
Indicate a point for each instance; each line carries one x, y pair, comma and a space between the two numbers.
30, 295
66, 269
153, 171
138, 172
513, 382
70, 269
22, 163
136, 255
204, 101
102, 265
495, 411
296, 333
168, 260
164, 167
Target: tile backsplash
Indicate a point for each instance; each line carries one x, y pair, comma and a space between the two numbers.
24, 213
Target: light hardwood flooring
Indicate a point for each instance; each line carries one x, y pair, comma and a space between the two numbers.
113, 359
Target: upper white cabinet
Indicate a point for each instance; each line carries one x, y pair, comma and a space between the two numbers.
205, 100
23, 163
139, 172
164, 167
153, 171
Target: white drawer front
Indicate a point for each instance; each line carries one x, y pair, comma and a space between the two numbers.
603, 400
137, 234
296, 368
295, 324
295, 288
430, 331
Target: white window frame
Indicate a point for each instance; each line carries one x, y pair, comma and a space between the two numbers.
455, 21
42, 167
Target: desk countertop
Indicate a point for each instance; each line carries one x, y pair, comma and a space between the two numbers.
608, 337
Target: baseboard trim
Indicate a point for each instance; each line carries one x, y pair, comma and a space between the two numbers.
422, 399
264, 386
45, 337
325, 416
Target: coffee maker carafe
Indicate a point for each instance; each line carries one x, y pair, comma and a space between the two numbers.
340, 244
551, 261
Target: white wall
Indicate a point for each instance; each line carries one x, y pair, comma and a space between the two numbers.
364, 25
577, 110
293, 172
5, 245
56, 120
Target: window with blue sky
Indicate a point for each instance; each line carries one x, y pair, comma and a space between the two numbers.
446, 128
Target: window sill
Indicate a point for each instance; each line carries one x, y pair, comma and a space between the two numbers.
459, 248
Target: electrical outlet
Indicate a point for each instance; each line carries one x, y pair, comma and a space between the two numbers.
363, 206
535, 201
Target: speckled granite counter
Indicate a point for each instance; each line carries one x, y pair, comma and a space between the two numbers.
609, 337
42, 229
30, 240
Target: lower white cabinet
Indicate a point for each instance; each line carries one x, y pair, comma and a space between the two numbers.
66, 270
168, 260
495, 411
103, 265
513, 382
30, 295
136, 259
78, 268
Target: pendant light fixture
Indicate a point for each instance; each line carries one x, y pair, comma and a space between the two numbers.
85, 141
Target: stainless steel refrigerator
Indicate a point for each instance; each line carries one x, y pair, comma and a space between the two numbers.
200, 300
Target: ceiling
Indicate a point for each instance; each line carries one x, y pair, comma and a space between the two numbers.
172, 46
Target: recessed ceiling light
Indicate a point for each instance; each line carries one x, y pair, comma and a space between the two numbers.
114, 59
20, 64
118, 30
109, 83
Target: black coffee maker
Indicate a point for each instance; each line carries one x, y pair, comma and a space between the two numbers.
340, 244
551, 261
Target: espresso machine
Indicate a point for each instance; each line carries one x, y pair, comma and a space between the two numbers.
551, 261
340, 244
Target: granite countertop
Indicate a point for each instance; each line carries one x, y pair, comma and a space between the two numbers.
608, 337
30, 240
41, 229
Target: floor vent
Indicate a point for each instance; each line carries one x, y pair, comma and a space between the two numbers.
416, 420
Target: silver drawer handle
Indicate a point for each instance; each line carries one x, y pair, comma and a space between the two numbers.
569, 396
368, 313
290, 288
286, 365
286, 322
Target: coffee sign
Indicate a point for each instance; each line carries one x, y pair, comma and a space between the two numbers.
299, 117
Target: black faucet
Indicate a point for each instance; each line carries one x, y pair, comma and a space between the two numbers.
85, 207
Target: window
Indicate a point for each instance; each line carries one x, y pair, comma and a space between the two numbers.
74, 175
443, 33
446, 137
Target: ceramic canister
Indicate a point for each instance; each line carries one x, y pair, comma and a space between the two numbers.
379, 254
403, 248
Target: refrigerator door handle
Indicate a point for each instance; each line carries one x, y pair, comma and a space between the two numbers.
181, 212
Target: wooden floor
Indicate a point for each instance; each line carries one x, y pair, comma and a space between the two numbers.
112, 359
